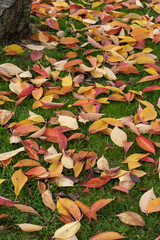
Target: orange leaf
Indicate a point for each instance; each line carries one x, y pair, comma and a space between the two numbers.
107, 236
36, 171
145, 144
149, 78
85, 209
140, 33
72, 63
98, 205
96, 182
153, 205
69, 40
71, 207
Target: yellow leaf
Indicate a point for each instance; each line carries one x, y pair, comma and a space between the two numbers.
2, 180
96, 4
156, 8
97, 126
151, 71
78, 166
153, 205
18, 179
112, 121
135, 157
144, 60
67, 82
37, 119
148, 113
14, 47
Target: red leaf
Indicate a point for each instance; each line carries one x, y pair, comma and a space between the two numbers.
6, 202
36, 55
52, 23
148, 159
145, 144
122, 189
151, 88
40, 71
62, 141
56, 136
51, 105
25, 92
97, 182
31, 152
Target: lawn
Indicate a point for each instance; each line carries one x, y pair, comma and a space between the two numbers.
91, 57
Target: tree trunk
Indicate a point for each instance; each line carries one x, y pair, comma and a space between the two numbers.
14, 19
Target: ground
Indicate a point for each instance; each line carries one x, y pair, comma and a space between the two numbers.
117, 94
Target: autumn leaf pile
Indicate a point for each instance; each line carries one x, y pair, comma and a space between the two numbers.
115, 43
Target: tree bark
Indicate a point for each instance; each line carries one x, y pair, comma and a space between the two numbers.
14, 19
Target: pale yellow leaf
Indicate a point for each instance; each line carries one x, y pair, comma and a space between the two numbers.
145, 199
11, 68
68, 121
102, 164
48, 200
7, 155
118, 136
27, 227
68, 230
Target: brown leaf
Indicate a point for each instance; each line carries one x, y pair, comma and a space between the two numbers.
24, 208
131, 218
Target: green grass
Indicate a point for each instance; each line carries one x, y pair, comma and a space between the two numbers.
29, 195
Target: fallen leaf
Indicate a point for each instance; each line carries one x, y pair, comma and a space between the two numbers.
107, 236
67, 121
131, 218
24, 208
98, 205
145, 144
7, 155
7, 202
145, 199
18, 179
71, 207
102, 164
153, 205
118, 136
27, 227
68, 230
48, 200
